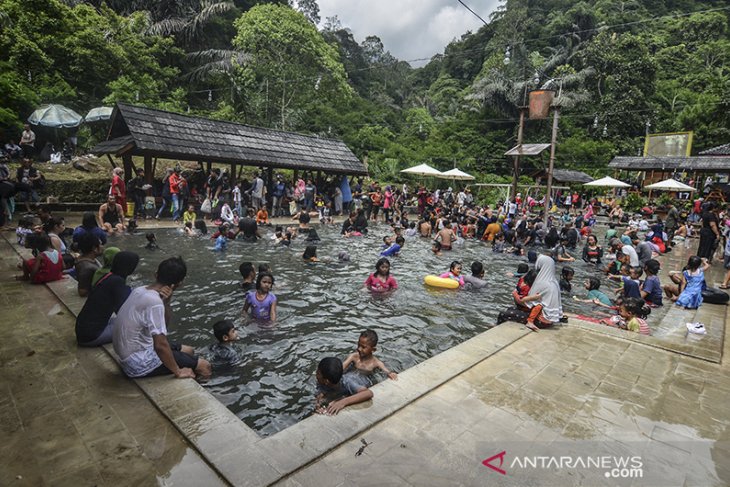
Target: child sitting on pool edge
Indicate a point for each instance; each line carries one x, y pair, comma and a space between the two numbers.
330, 386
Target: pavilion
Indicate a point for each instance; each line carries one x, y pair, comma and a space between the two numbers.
152, 133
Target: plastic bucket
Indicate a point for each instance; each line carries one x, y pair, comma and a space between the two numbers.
130, 209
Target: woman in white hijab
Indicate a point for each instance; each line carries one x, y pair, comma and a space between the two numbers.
549, 308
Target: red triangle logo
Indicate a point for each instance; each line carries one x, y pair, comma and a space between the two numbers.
488, 462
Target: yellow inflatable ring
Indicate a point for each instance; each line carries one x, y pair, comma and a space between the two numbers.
443, 282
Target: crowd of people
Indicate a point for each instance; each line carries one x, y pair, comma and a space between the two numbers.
135, 321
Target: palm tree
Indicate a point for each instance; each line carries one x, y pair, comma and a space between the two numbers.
185, 18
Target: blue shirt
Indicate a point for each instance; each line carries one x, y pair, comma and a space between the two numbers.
345, 188
654, 288
390, 251
221, 243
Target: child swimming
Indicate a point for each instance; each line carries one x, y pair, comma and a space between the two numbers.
310, 254
454, 273
363, 360
566, 275
395, 248
381, 280
151, 241
331, 386
248, 273
476, 280
223, 352
261, 302
436, 248
595, 296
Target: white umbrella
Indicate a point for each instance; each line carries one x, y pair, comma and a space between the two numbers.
457, 174
99, 113
56, 116
607, 182
422, 170
669, 185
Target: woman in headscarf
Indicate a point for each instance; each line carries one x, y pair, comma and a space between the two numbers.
549, 308
107, 257
94, 324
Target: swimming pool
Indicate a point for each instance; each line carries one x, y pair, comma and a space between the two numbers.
322, 308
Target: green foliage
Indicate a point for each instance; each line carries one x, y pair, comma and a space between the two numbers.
633, 202
266, 64
290, 64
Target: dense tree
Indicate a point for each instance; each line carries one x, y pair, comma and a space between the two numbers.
289, 65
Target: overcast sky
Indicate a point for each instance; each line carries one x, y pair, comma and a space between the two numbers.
409, 29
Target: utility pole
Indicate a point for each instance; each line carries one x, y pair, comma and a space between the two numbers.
553, 140
516, 169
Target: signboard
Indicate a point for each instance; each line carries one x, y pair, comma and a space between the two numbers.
673, 144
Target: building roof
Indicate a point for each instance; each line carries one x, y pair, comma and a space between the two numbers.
141, 131
720, 150
698, 163
570, 176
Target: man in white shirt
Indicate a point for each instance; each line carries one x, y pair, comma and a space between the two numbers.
140, 329
27, 142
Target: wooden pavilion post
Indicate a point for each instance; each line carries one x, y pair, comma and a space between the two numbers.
516, 162
208, 167
148, 173
551, 166
127, 161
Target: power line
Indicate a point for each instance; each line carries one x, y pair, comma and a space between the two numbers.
470, 10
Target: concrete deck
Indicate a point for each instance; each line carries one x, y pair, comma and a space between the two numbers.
70, 417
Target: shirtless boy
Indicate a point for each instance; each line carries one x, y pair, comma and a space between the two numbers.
446, 236
364, 360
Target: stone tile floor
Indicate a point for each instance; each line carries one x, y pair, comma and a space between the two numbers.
67, 415
548, 390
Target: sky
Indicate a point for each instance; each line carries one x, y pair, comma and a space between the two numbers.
409, 29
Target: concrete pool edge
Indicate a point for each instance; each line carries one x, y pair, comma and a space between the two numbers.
241, 456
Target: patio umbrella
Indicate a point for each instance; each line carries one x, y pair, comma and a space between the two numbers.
99, 113
669, 185
456, 174
422, 170
607, 182
55, 116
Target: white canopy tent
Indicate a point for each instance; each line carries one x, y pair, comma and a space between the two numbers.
457, 174
99, 113
607, 182
669, 185
422, 170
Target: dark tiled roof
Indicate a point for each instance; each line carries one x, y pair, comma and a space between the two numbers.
570, 176
720, 150
698, 163
171, 135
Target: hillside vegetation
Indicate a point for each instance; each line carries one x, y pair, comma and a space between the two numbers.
621, 66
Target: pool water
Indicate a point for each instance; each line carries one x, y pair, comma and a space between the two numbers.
322, 308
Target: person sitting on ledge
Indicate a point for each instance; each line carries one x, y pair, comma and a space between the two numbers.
140, 329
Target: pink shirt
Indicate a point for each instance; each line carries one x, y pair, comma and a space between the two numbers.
449, 275
374, 283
